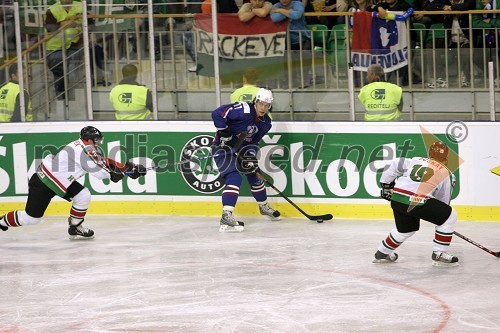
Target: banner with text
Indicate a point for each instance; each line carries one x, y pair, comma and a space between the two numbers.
317, 165
378, 41
259, 43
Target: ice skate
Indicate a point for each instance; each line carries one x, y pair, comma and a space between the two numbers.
444, 259
266, 210
381, 258
229, 224
79, 232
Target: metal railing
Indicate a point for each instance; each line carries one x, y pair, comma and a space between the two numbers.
314, 86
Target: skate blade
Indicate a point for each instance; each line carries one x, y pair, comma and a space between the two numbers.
444, 264
383, 261
272, 218
78, 237
228, 228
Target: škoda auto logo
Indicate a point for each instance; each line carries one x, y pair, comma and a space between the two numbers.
201, 173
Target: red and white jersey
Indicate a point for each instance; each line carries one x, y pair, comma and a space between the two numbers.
418, 179
72, 162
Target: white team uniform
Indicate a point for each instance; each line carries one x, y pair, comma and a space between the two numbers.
418, 179
72, 162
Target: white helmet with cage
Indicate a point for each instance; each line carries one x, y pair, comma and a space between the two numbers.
264, 95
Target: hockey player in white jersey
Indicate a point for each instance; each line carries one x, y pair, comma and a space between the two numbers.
420, 188
57, 175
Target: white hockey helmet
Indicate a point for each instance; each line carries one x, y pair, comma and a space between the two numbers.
264, 95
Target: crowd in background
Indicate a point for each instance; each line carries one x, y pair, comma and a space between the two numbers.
458, 38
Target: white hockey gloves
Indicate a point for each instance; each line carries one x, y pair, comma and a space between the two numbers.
386, 190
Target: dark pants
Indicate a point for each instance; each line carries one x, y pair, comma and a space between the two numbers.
55, 61
39, 196
408, 217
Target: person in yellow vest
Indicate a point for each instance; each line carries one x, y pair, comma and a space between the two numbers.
383, 101
131, 100
10, 108
249, 90
69, 39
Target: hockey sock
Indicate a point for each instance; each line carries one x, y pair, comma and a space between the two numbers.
259, 193
76, 215
258, 188
444, 233
18, 218
81, 203
230, 195
11, 219
231, 191
394, 240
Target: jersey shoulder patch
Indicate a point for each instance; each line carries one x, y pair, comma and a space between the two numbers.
246, 107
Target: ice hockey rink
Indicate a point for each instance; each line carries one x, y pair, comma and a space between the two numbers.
179, 274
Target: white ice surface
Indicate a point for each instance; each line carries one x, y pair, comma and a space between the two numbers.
179, 274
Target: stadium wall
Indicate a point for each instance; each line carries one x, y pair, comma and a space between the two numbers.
324, 167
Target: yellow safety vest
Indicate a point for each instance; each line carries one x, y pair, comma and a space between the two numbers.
129, 102
244, 94
72, 34
381, 100
8, 98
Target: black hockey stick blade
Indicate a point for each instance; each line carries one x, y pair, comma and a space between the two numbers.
496, 254
324, 217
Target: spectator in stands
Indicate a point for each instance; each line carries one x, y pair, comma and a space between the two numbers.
8, 25
271, 1
485, 33
382, 100
223, 7
360, 6
458, 36
339, 6
69, 40
131, 100
10, 107
309, 8
294, 10
186, 26
249, 89
423, 5
300, 37
258, 8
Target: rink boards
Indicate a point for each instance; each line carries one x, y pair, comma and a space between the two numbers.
325, 167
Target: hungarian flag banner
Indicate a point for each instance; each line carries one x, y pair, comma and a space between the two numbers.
259, 43
378, 41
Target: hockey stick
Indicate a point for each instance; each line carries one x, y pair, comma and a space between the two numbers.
496, 254
241, 138
317, 218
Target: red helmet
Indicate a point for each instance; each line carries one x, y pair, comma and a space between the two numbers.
438, 151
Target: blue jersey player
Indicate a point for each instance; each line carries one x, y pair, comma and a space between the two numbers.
234, 159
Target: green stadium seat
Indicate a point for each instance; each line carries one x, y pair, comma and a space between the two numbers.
319, 35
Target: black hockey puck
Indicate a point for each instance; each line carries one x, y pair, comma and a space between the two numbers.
319, 220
